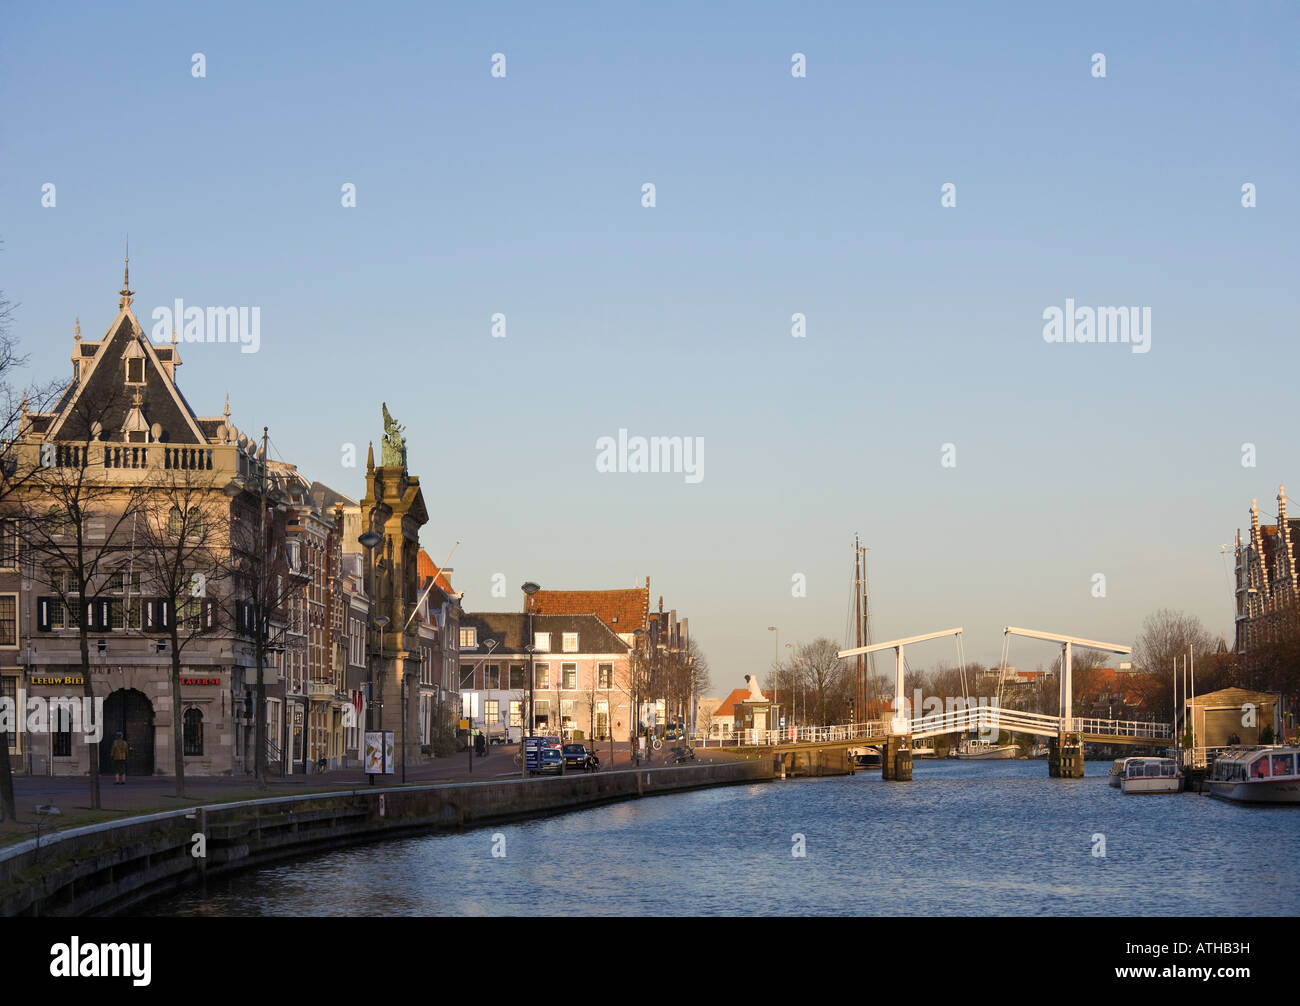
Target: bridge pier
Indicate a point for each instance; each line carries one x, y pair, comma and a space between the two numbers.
896, 762
1065, 756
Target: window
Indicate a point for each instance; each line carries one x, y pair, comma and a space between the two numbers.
8, 544
8, 619
466, 675
490, 712
175, 522
569, 675
62, 716
602, 720
192, 737
135, 370
542, 678
570, 642
492, 676
468, 639
542, 715
516, 713
542, 642
566, 713
604, 675
517, 677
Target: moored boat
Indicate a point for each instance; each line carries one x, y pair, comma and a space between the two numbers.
973, 748
868, 756
1116, 774
1257, 775
1149, 775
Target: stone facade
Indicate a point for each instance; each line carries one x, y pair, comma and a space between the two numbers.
1267, 585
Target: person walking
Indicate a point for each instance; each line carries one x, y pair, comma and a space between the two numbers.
118, 752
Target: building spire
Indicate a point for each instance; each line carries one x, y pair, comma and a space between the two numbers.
126, 290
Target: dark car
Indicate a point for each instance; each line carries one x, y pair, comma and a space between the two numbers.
552, 760
578, 756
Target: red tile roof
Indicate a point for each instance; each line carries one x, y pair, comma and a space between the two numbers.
426, 567
727, 707
623, 611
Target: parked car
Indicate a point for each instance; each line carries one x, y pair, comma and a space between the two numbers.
552, 761
578, 756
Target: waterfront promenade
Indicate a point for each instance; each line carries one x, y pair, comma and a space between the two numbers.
153, 794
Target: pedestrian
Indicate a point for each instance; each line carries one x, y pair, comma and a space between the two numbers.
118, 753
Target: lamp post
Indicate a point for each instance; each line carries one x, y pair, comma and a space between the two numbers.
490, 644
790, 647
529, 588
634, 726
369, 541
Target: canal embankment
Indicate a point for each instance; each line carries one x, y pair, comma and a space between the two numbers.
107, 868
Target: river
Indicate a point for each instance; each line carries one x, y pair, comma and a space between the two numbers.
962, 838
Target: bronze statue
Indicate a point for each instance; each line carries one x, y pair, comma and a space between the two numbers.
394, 444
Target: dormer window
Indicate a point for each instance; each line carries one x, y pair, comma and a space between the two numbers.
133, 356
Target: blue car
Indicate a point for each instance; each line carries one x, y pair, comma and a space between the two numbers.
552, 760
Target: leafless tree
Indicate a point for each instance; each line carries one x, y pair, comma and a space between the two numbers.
182, 539
266, 586
13, 405
1167, 636
78, 524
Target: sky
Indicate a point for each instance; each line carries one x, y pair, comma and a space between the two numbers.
991, 473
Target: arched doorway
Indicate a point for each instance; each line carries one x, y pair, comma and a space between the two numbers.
130, 713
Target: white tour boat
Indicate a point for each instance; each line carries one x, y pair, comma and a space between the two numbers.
973, 748
1147, 775
1257, 775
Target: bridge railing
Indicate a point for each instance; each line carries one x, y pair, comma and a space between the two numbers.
807, 734
1125, 728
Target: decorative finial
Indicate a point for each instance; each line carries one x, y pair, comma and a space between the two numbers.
76, 330
24, 406
173, 335
370, 457
227, 413
126, 290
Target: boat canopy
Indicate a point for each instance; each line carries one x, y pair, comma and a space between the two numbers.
1150, 768
1256, 763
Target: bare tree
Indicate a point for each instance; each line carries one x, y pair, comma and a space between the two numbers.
13, 406
266, 585
77, 522
182, 536
1166, 637
821, 663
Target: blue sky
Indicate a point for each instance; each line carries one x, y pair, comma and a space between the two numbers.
775, 195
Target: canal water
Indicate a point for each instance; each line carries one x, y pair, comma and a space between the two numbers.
963, 838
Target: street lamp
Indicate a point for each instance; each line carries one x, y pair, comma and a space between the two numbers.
529, 588
634, 727
491, 645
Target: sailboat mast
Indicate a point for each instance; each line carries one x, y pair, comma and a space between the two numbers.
859, 709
